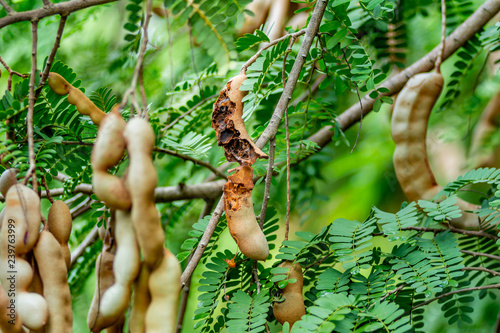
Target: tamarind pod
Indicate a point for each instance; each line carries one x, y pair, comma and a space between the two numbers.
59, 222
141, 301
126, 265
9, 320
240, 215
229, 127
164, 286
292, 308
409, 129
116, 327
482, 155
54, 274
7, 179
58, 84
141, 182
76, 97
276, 18
107, 152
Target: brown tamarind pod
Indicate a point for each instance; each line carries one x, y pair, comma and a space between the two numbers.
59, 223
54, 274
141, 182
409, 130
104, 279
240, 215
141, 301
229, 127
482, 155
164, 286
7, 179
76, 97
292, 308
107, 152
9, 318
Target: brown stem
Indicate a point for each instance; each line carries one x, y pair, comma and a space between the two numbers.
491, 286
52, 55
188, 112
11, 74
7, 7
457, 231
439, 59
267, 185
90, 239
476, 254
481, 269
62, 8
47, 190
31, 109
187, 287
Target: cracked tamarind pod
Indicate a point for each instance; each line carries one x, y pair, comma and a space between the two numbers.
54, 274
107, 151
59, 223
76, 97
126, 265
229, 126
104, 279
240, 215
292, 308
18, 237
141, 181
409, 130
164, 286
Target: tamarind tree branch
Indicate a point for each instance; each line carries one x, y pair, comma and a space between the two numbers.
7, 8
63, 8
455, 40
481, 269
480, 254
53, 52
90, 239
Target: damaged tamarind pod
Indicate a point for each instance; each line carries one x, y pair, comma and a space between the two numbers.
54, 275
409, 130
76, 97
292, 308
141, 301
141, 182
126, 265
240, 215
107, 151
59, 223
229, 127
104, 279
164, 286
8, 324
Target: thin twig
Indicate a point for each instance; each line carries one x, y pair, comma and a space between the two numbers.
491, 286
138, 66
62, 8
6, 7
255, 275
82, 208
90, 239
440, 56
480, 254
188, 112
52, 55
267, 185
192, 159
397, 290
187, 286
31, 109
481, 269
268, 45
47, 190
457, 231
11, 74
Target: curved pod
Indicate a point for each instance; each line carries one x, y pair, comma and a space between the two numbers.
142, 181
60, 222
